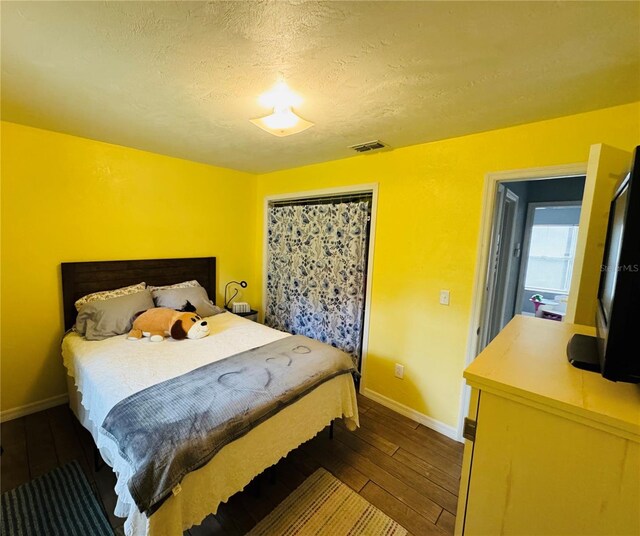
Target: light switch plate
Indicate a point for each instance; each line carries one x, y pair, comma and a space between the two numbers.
444, 297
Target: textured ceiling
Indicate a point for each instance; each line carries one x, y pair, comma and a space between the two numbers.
182, 78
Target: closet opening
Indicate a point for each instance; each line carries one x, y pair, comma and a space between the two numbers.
317, 266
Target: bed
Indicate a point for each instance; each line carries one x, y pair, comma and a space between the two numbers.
102, 373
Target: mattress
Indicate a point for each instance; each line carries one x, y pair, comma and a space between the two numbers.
102, 373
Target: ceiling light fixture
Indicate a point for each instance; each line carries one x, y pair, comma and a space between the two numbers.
283, 121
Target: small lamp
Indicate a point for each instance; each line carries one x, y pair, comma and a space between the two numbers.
242, 284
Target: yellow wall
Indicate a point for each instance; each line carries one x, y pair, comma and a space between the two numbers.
71, 199
427, 229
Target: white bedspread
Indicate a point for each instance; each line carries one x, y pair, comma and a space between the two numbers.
106, 372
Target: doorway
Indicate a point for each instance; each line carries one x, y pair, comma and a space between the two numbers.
604, 168
532, 250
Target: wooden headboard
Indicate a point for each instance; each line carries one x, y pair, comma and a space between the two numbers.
82, 278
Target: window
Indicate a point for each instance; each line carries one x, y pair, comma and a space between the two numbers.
551, 253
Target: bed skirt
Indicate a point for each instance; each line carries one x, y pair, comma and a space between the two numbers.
236, 464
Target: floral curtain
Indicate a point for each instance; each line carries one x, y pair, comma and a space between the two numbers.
317, 257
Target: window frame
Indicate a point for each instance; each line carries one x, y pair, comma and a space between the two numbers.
571, 243
527, 241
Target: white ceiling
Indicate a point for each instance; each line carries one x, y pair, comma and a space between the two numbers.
182, 78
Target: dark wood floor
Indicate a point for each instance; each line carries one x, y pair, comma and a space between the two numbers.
405, 469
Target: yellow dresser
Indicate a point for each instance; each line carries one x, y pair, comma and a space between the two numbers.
555, 450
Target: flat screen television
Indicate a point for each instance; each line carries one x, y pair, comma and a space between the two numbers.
615, 351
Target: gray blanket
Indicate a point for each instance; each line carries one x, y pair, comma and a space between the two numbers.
177, 426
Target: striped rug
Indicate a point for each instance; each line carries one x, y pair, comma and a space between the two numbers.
323, 505
59, 503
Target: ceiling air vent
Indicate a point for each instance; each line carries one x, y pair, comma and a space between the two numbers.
368, 146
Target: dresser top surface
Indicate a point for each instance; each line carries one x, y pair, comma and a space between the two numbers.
528, 359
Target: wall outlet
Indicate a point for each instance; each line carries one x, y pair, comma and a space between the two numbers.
444, 297
399, 371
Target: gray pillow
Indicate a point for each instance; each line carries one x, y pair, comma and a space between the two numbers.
176, 298
107, 318
184, 284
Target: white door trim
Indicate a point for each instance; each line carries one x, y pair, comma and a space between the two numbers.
371, 188
491, 182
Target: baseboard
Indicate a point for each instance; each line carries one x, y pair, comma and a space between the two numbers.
34, 407
414, 415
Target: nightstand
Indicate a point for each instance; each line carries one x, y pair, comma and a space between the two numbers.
251, 315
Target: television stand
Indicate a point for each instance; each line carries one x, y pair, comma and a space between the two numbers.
582, 352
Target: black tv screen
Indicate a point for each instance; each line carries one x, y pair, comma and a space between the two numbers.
611, 263
614, 351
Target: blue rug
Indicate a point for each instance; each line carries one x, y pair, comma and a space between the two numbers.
59, 503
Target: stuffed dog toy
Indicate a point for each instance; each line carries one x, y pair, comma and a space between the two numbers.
160, 322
